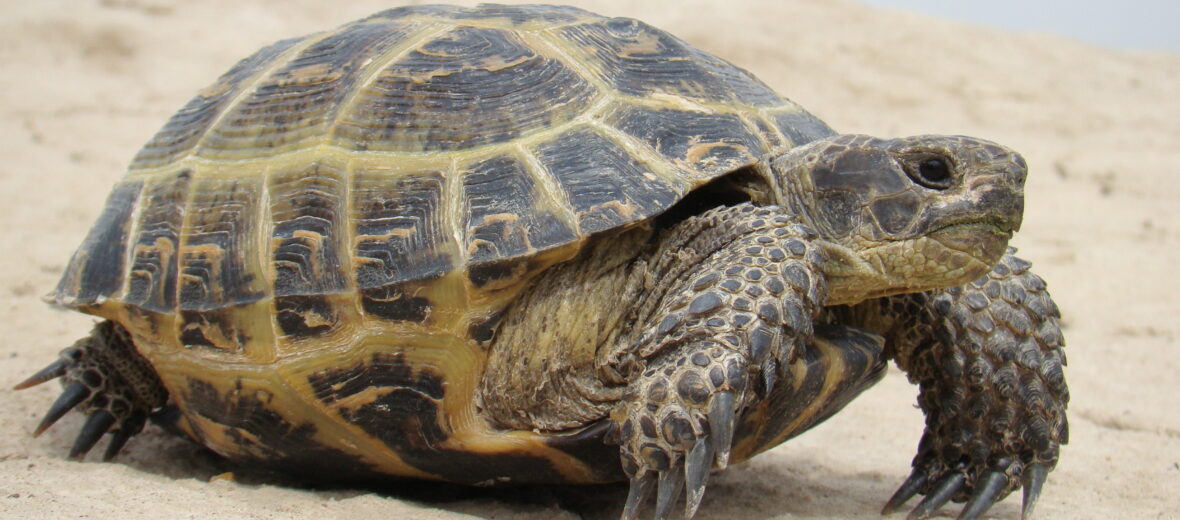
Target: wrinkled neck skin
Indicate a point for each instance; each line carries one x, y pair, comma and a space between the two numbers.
882, 233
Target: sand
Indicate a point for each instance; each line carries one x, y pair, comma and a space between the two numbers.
85, 83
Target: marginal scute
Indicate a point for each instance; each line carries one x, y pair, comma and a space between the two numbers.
307, 207
96, 270
153, 275
219, 264
399, 228
503, 219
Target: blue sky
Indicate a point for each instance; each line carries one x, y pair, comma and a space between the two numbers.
1125, 24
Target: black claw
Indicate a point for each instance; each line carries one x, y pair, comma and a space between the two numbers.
641, 487
1034, 478
941, 495
75, 393
722, 412
133, 425
696, 475
53, 371
987, 490
96, 426
671, 484
908, 489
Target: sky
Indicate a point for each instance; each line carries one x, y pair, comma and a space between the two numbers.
1126, 24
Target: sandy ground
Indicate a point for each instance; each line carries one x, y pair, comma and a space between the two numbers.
85, 83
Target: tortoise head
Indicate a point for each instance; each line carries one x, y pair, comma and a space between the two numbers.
904, 215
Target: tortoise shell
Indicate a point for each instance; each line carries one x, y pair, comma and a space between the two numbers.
312, 252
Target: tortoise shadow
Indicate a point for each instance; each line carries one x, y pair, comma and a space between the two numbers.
795, 486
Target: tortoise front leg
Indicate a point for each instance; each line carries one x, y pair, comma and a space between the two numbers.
988, 359
735, 291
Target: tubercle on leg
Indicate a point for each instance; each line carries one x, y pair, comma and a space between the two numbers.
746, 277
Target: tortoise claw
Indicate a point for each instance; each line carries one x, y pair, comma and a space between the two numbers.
671, 483
989, 488
907, 490
133, 425
641, 487
722, 415
74, 393
696, 475
941, 495
53, 371
1034, 479
96, 426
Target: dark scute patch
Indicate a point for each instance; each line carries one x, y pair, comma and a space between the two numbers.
298, 101
292, 313
502, 220
306, 208
590, 447
400, 232
186, 127
604, 184
497, 271
801, 127
466, 88
96, 270
406, 418
153, 273
709, 144
483, 330
894, 214
218, 251
640, 60
259, 429
197, 326
393, 303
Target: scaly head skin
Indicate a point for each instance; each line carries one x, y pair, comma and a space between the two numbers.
904, 215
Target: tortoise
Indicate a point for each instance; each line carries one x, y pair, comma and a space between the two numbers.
518, 244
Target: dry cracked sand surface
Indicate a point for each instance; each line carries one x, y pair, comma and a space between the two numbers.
85, 83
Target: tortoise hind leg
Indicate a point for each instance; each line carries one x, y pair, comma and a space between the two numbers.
105, 377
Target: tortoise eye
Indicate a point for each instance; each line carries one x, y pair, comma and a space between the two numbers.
932, 172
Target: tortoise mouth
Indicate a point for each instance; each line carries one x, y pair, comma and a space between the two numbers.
978, 226
983, 239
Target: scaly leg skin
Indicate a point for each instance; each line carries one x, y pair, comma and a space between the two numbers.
107, 379
737, 289
988, 359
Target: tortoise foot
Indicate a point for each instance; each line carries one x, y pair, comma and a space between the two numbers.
678, 425
104, 377
993, 393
